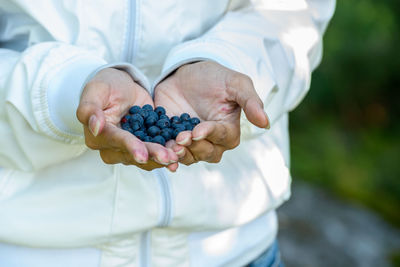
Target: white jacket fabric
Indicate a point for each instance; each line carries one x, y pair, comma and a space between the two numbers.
57, 193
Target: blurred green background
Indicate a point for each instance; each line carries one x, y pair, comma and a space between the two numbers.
345, 136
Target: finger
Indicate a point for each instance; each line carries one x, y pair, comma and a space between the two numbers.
173, 158
93, 100
202, 150
241, 90
160, 154
110, 156
184, 138
173, 167
117, 139
187, 157
184, 155
218, 133
178, 149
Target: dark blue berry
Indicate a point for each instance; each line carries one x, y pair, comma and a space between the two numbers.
126, 126
153, 131
140, 134
134, 109
185, 117
148, 139
167, 134
136, 117
177, 125
144, 113
160, 110
150, 121
147, 107
188, 126
159, 140
194, 121
135, 125
163, 124
163, 117
153, 114
175, 120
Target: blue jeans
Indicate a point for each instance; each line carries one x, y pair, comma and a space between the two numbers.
269, 258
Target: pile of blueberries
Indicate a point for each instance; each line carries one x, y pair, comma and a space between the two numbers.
154, 125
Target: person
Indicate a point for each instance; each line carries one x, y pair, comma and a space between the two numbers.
76, 190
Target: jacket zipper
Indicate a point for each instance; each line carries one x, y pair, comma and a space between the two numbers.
129, 54
166, 199
130, 32
166, 211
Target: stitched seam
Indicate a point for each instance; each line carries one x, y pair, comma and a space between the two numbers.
117, 175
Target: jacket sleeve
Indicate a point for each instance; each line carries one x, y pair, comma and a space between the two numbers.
40, 89
39, 93
276, 43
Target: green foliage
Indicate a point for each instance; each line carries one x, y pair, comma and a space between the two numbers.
345, 134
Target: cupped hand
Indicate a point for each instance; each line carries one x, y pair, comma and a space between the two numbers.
216, 95
104, 101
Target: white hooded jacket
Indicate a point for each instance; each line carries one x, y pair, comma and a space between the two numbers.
55, 192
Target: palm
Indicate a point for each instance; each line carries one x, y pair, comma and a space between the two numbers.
120, 101
207, 101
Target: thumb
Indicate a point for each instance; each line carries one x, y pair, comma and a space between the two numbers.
243, 92
90, 112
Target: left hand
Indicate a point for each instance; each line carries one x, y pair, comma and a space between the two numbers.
215, 95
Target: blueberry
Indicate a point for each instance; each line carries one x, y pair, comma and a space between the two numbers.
175, 120
176, 132
167, 134
148, 139
194, 121
177, 125
159, 140
163, 117
147, 107
160, 110
125, 119
134, 109
188, 125
153, 114
144, 113
163, 124
185, 117
126, 126
135, 125
153, 131
136, 117
150, 121
140, 134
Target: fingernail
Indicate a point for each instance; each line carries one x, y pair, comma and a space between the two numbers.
140, 159
161, 161
172, 161
198, 138
184, 141
180, 152
94, 125
268, 125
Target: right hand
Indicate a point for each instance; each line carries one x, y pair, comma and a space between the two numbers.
105, 100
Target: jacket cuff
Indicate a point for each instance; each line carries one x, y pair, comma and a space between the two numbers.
198, 50
63, 95
65, 91
226, 55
